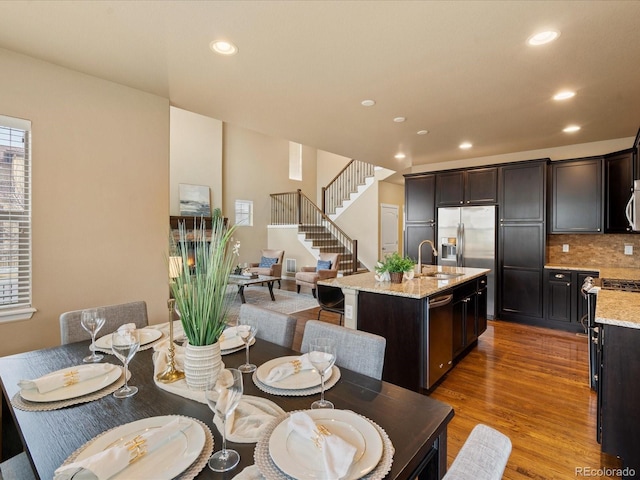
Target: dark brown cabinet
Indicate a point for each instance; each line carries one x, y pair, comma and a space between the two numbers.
576, 196
420, 214
564, 303
618, 175
522, 192
414, 233
469, 314
477, 186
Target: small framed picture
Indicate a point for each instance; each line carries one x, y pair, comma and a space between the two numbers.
194, 200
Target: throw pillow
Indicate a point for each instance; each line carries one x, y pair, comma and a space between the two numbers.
266, 262
323, 265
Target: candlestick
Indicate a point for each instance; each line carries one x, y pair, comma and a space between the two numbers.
171, 374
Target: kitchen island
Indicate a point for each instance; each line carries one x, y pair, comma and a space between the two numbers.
430, 321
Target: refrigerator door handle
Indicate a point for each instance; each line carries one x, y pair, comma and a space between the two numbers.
461, 240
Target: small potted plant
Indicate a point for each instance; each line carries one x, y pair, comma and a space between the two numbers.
395, 265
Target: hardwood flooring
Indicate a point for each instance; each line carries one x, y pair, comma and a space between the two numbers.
531, 384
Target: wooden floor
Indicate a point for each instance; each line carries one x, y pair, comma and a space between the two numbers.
531, 384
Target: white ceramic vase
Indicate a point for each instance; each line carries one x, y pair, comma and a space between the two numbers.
201, 365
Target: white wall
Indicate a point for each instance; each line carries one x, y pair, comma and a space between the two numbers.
196, 155
100, 194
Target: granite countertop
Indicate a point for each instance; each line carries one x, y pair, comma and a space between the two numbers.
619, 273
417, 288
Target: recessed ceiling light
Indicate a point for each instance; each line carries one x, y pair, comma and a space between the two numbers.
571, 129
399, 119
399, 156
465, 145
368, 103
422, 132
564, 95
223, 47
542, 38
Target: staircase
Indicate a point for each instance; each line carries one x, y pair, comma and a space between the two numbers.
351, 179
324, 241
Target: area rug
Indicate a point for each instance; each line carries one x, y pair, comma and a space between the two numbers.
286, 301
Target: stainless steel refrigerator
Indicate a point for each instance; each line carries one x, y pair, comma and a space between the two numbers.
467, 238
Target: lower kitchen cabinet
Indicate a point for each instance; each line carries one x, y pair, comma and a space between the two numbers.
564, 304
619, 395
469, 315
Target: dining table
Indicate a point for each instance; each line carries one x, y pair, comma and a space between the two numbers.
415, 424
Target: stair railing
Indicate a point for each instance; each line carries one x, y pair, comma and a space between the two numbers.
344, 184
295, 208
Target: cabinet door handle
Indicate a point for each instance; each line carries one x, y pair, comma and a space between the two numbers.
441, 365
568, 284
559, 275
449, 362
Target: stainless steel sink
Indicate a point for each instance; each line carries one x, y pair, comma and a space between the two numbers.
441, 275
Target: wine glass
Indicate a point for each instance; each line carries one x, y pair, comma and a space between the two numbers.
92, 321
223, 395
247, 333
125, 344
322, 355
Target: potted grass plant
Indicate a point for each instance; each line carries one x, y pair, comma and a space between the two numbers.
200, 293
395, 265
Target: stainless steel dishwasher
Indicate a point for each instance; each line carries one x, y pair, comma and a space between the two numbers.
439, 338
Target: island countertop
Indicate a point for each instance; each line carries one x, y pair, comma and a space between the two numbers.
421, 287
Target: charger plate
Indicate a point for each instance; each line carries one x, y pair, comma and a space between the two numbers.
301, 380
268, 468
335, 376
148, 336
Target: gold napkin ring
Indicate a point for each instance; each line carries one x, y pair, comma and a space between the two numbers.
137, 447
320, 432
71, 378
297, 366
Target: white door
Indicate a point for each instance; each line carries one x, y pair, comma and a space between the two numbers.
388, 229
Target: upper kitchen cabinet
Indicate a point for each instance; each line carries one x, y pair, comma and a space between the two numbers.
576, 196
420, 197
522, 191
476, 186
618, 176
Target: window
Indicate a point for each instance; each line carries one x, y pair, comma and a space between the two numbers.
295, 161
15, 219
244, 213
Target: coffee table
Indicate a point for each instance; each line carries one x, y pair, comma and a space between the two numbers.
242, 281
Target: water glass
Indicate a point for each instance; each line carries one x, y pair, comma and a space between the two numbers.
322, 355
223, 395
92, 321
125, 344
247, 333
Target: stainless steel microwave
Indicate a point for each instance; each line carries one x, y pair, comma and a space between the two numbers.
632, 207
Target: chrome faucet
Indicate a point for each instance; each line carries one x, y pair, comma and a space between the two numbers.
433, 249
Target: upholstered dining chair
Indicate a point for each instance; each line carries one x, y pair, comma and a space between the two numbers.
115, 315
309, 276
270, 264
17, 467
362, 352
274, 327
330, 299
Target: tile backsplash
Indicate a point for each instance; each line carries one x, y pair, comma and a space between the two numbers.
605, 250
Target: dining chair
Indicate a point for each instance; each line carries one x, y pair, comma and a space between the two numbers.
17, 467
483, 456
115, 315
330, 299
274, 327
362, 352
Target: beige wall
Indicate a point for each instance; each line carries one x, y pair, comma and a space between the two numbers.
196, 155
255, 166
100, 194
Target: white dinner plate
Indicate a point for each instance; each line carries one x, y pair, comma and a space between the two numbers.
147, 335
299, 457
230, 339
77, 389
297, 381
165, 462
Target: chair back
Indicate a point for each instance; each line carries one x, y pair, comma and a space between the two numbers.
274, 327
279, 254
362, 352
115, 315
332, 257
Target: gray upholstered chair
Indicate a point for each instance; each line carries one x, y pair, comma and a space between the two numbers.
272, 269
356, 350
309, 276
116, 315
17, 467
274, 327
483, 456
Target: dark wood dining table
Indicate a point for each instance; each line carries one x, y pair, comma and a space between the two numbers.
416, 424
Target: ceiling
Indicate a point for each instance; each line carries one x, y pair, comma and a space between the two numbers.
460, 69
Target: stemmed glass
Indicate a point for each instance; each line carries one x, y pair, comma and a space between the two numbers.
247, 334
223, 395
322, 355
92, 321
125, 344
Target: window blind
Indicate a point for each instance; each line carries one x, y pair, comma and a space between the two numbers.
15, 215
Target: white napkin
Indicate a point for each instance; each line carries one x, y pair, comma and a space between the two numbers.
248, 421
127, 327
107, 463
56, 380
287, 369
252, 472
336, 452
